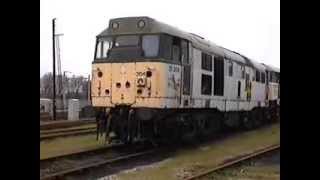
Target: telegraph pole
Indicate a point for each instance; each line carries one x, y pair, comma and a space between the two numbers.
54, 69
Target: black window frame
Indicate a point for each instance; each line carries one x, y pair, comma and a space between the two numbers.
162, 56
178, 43
159, 40
206, 61
219, 65
258, 76
209, 91
187, 59
139, 44
263, 77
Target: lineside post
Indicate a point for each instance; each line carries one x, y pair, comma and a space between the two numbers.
54, 69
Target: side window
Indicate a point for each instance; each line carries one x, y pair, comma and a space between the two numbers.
257, 76
242, 72
270, 76
206, 61
253, 75
176, 49
107, 44
230, 69
166, 47
98, 50
263, 77
150, 45
206, 84
239, 89
218, 76
184, 52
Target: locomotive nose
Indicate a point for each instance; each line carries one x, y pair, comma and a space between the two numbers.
123, 79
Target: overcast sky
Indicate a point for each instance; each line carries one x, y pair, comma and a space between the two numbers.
250, 27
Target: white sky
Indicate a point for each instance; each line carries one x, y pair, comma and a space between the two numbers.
250, 27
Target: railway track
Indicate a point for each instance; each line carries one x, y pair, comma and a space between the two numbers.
235, 161
67, 165
63, 124
61, 166
51, 134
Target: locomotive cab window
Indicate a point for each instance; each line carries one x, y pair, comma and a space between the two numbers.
176, 49
123, 41
103, 47
150, 45
166, 47
98, 50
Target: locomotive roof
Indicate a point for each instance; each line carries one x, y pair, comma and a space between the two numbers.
257, 65
271, 68
129, 25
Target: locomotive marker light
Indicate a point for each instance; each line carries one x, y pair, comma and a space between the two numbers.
141, 24
115, 25
107, 91
127, 84
100, 74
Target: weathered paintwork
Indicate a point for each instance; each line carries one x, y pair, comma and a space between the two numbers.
163, 88
160, 90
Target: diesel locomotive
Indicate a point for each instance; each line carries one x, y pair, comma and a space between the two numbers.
153, 81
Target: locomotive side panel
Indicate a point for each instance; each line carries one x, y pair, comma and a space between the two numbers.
162, 88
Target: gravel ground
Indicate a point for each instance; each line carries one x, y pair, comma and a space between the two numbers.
188, 161
263, 168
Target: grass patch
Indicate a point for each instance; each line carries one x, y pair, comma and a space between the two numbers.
200, 159
70, 128
68, 145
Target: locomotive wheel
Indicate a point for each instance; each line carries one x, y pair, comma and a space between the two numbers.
211, 126
247, 121
207, 127
201, 129
132, 126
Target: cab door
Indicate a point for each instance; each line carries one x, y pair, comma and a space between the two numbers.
186, 54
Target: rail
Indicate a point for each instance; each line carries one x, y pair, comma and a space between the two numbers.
236, 161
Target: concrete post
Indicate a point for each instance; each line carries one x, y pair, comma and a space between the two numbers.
73, 109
